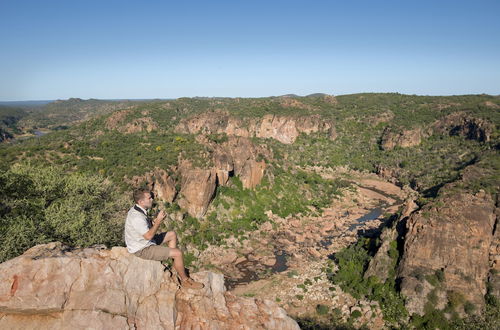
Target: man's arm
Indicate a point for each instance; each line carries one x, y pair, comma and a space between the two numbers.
156, 224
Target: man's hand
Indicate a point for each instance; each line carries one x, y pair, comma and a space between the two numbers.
159, 218
152, 231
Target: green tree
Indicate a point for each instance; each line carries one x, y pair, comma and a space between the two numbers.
44, 204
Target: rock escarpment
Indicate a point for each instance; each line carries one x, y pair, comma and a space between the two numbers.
285, 129
52, 287
465, 125
458, 123
392, 138
450, 249
197, 190
195, 187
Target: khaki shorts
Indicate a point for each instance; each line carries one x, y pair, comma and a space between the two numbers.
154, 252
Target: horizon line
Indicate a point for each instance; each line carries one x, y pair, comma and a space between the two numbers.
232, 97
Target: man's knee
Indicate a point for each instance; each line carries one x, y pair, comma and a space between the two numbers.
175, 253
169, 236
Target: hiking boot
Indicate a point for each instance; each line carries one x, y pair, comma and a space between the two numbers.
191, 284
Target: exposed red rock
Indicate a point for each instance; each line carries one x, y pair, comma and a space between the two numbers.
164, 186
285, 129
58, 288
392, 138
197, 190
459, 123
453, 236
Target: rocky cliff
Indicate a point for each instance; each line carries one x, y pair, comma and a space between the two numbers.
450, 249
285, 129
53, 287
458, 123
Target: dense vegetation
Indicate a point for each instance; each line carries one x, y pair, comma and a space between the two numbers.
44, 204
69, 185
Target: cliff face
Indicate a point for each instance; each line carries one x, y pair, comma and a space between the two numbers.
462, 124
405, 138
450, 247
285, 129
458, 123
51, 287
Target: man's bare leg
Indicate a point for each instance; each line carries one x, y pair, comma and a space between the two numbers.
170, 239
176, 254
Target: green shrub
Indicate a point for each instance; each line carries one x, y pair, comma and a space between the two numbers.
356, 314
469, 308
44, 204
321, 309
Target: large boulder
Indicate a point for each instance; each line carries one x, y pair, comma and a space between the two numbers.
53, 287
403, 138
197, 190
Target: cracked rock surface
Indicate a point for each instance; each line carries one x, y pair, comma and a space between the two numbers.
53, 287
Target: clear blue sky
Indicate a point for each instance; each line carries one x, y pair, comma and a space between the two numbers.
168, 49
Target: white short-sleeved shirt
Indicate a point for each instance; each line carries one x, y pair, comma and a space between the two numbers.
136, 226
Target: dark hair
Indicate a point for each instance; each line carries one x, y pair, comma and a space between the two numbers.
139, 194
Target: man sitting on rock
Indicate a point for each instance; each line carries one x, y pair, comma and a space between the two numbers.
142, 240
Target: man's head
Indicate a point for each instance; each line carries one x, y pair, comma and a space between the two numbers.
143, 198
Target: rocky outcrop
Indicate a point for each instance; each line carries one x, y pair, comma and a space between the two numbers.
140, 125
117, 121
159, 182
285, 129
224, 166
448, 250
164, 186
392, 138
52, 287
238, 156
385, 260
252, 173
460, 123
197, 190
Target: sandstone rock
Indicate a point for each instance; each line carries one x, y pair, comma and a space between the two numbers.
228, 258
279, 128
164, 186
268, 261
392, 138
382, 263
197, 189
313, 252
51, 287
459, 123
454, 239
223, 164
244, 156
282, 128
115, 119
252, 173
